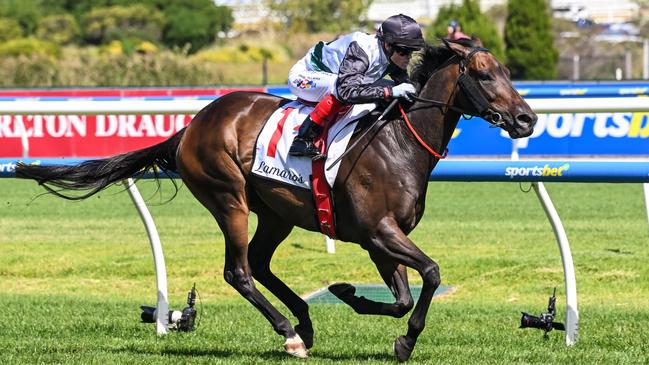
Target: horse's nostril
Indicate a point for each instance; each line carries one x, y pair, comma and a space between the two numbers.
527, 118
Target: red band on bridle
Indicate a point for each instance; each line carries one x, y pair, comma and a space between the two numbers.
421, 141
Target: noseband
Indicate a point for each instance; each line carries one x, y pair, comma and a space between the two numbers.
479, 104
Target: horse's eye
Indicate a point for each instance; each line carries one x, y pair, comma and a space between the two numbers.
484, 76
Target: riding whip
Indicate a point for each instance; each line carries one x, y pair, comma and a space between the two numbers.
385, 112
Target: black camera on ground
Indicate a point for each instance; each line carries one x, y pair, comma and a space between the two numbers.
179, 320
545, 321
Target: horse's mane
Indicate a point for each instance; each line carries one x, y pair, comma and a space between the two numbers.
430, 58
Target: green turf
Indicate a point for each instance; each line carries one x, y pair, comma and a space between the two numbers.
72, 275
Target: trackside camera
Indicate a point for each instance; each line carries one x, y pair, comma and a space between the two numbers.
544, 321
179, 320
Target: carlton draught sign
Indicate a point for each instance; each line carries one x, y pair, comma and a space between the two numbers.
95, 135
85, 135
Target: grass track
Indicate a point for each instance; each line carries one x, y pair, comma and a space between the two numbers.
73, 274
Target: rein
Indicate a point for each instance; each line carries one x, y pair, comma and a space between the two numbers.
419, 139
385, 112
472, 92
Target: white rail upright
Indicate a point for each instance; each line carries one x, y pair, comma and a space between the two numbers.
572, 314
162, 306
331, 244
646, 199
570, 282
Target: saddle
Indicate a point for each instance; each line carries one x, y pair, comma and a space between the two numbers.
271, 160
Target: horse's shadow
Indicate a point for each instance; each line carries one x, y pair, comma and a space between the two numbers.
300, 246
383, 356
266, 355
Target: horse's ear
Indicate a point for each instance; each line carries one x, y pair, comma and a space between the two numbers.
476, 41
457, 48
446, 44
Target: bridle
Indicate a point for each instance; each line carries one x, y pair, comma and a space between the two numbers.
479, 104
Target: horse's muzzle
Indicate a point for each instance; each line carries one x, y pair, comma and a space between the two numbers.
522, 125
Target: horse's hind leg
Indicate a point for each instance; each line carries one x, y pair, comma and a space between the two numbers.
237, 273
230, 210
394, 276
271, 231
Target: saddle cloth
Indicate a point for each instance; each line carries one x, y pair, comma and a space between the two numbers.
271, 151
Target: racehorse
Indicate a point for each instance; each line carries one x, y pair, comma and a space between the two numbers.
379, 192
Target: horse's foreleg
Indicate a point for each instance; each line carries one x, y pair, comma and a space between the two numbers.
271, 231
394, 276
391, 241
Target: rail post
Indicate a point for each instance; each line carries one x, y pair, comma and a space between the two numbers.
162, 320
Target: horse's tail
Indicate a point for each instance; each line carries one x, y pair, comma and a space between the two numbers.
95, 175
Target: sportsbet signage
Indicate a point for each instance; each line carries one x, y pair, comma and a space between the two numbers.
539, 170
631, 125
560, 135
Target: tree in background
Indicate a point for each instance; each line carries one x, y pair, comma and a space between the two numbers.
9, 29
58, 28
472, 20
195, 22
78, 8
26, 13
321, 15
136, 22
641, 19
177, 23
531, 54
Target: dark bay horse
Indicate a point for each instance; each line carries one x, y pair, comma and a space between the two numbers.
379, 193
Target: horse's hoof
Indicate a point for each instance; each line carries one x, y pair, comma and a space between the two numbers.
295, 346
306, 333
342, 290
401, 349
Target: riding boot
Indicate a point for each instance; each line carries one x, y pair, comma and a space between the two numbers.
313, 125
303, 143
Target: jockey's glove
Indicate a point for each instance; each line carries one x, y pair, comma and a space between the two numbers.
404, 91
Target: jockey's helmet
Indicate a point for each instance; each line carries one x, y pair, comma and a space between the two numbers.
401, 31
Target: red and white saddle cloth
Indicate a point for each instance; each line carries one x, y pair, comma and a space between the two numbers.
273, 162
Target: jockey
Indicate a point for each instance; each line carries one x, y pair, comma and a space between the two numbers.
350, 70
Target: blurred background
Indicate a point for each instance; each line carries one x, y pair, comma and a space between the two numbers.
62, 43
